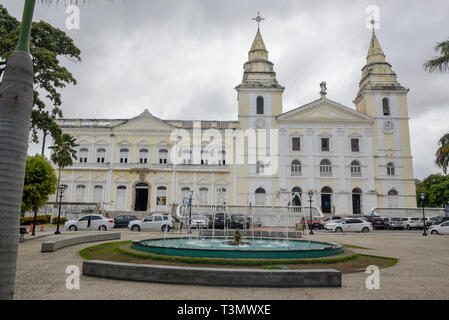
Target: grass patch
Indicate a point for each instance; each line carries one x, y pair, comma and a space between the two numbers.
121, 251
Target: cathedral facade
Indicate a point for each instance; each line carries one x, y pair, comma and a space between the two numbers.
352, 160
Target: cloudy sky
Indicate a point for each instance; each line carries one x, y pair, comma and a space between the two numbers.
182, 59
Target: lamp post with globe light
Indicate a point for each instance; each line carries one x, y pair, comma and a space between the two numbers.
61, 190
310, 200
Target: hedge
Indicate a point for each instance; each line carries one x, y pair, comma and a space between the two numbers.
39, 220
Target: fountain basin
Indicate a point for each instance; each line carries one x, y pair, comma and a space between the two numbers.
260, 248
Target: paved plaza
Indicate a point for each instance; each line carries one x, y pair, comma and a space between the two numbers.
421, 272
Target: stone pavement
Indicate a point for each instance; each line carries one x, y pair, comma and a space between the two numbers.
421, 273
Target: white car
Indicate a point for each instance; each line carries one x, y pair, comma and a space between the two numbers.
90, 222
442, 228
412, 223
349, 225
199, 221
156, 221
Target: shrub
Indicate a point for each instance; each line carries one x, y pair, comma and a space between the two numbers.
61, 220
39, 220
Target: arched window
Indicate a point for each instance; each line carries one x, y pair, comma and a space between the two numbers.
80, 192
83, 155
296, 168
390, 169
98, 194
144, 155
203, 195
221, 195
185, 193
260, 105
356, 169
326, 200
65, 193
204, 157
101, 155
124, 155
386, 106
163, 156
161, 196
393, 198
325, 167
186, 156
260, 197
120, 198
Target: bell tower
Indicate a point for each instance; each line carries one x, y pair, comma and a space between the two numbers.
259, 95
382, 97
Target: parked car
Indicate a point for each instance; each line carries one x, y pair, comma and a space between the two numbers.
315, 223
378, 223
239, 222
156, 221
394, 223
332, 219
412, 223
350, 225
438, 219
123, 221
90, 222
442, 228
200, 221
222, 220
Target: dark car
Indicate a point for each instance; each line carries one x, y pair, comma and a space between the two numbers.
222, 220
378, 223
239, 222
123, 221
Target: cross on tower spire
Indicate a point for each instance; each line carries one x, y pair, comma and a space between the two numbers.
258, 19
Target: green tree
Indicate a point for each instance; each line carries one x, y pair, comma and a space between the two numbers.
442, 154
63, 152
439, 63
40, 182
436, 189
47, 45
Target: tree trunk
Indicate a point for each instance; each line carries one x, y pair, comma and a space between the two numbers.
16, 100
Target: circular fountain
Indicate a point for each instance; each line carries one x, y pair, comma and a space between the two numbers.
239, 248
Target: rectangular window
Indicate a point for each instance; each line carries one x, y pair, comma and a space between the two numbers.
296, 144
324, 144
355, 145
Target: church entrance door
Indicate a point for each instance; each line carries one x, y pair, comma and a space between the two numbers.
141, 202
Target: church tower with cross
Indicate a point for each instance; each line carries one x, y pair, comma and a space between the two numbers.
259, 95
383, 98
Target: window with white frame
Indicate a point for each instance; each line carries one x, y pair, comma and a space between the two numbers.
222, 157
296, 144
259, 167
161, 196
386, 106
260, 197
204, 157
80, 193
355, 145
356, 169
144, 155
163, 156
98, 193
83, 154
325, 167
101, 155
203, 195
390, 169
296, 168
325, 144
124, 155
221, 195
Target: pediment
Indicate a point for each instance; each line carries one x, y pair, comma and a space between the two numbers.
101, 142
161, 180
185, 180
324, 110
144, 121
122, 179
99, 178
221, 181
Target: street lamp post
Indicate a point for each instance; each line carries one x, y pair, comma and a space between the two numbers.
423, 195
310, 200
61, 190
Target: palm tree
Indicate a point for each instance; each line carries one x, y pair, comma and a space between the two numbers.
63, 153
16, 101
442, 154
439, 63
